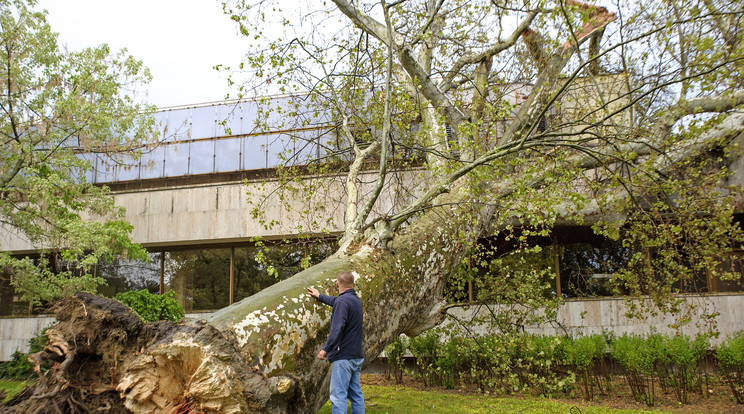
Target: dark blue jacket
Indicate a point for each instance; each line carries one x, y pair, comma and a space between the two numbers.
345, 339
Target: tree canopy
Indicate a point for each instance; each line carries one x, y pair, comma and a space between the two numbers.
57, 106
536, 112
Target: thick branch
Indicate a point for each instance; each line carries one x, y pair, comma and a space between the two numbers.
488, 53
721, 103
536, 102
406, 56
386, 125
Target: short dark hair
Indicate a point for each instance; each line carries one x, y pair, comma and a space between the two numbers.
345, 279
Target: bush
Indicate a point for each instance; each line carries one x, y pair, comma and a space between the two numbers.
638, 357
425, 350
730, 356
448, 362
152, 307
542, 364
582, 355
396, 353
680, 363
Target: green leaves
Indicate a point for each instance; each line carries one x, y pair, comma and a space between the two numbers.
55, 105
41, 280
152, 307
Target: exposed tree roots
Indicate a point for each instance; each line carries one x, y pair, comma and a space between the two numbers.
103, 358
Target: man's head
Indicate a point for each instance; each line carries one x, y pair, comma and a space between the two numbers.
344, 281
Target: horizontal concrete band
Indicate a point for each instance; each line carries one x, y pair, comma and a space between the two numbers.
223, 212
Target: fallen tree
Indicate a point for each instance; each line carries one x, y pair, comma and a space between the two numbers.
602, 162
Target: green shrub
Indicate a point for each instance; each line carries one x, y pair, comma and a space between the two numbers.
449, 361
507, 363
582, 355
730, 355
638, 357
424, 349
679, 364
542, 364
396, 353
153, 307
499, 368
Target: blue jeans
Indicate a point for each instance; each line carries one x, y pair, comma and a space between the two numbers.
345, 385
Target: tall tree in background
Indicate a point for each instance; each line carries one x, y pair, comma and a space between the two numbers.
54, 104
516, 115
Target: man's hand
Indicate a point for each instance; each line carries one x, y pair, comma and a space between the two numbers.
314, 293
322, 354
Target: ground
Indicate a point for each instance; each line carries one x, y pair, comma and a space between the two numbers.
719, 399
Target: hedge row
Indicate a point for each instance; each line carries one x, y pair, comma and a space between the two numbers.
549, 365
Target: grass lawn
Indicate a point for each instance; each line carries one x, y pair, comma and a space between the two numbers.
381, 399
11, 387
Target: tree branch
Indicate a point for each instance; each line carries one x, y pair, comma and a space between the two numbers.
720, 103
488, 53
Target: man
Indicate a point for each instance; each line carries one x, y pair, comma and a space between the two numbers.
344, 345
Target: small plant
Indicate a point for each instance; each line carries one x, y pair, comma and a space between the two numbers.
638, 357
395, 353
583, 354
449, 361
425, 350
153, 307
680, 364
730, 356
542, 361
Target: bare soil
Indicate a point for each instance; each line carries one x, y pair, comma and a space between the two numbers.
718, 399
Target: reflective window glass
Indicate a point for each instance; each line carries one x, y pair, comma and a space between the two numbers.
275, 113
128, 170
87, 174
202, 157
227, 154
228, 118
306, 147
177, 159
123, 275
203, 122
200, 278
249, 113
252, 275
588, 270
174, 125
728, 277
254, 152
281, 150
10, 303
104, 170
152, 163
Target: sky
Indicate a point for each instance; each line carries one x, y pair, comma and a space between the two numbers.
179, 40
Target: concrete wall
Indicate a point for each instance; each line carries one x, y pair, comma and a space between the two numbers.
221, 212
16, 332
589, 316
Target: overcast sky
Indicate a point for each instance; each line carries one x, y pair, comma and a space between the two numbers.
179, 40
